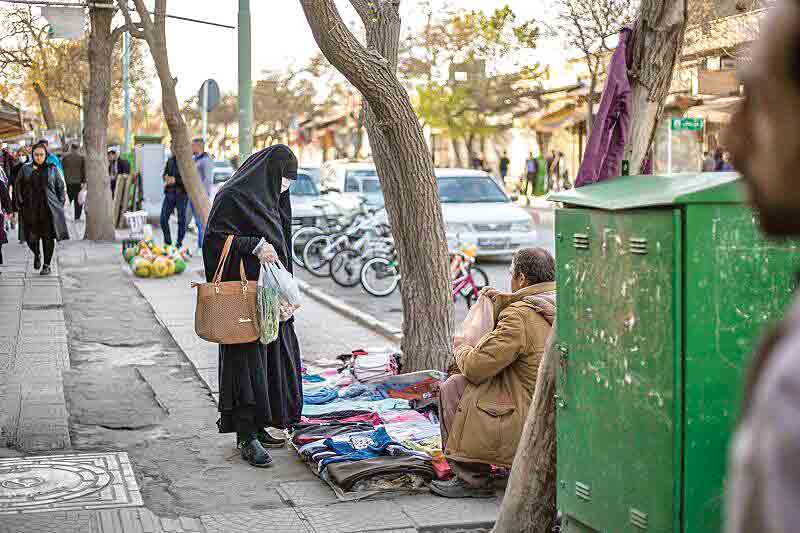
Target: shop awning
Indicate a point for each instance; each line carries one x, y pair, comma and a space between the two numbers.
717, 111
10, 121
563, 118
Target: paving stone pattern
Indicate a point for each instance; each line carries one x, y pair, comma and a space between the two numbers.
33, 354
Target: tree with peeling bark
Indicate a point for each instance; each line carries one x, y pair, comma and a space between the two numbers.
529, 504
404, 167
153, 30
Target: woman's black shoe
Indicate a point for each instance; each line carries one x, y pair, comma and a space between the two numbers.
45, 270
37, 262
268, 441
254, 453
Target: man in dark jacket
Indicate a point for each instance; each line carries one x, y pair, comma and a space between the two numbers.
175, 197
116, 166
75, 176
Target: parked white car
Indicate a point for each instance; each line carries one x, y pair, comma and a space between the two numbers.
358, 179
477, 211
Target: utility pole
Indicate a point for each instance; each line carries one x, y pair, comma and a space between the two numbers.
204, 103
126, 90
245, 83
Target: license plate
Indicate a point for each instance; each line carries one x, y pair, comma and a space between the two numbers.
494, 244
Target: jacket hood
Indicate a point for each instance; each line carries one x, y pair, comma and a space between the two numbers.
504, 300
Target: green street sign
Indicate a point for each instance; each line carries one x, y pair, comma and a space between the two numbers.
691, 124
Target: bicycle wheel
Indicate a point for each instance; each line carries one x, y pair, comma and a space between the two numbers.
316, 255
299, 240
380, 276
345, 267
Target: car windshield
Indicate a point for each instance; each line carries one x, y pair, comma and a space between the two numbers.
361, 173
469, 190
303, 186
371, 186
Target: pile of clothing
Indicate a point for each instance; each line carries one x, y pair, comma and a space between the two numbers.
366, 429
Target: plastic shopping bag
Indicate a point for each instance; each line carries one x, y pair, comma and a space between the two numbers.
280, 279
269, 311
479, 321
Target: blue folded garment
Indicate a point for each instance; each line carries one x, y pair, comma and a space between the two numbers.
313, 378
319, 397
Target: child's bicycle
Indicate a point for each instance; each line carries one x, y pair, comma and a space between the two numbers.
380, 276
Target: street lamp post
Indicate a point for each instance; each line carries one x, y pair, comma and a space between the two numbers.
245, 83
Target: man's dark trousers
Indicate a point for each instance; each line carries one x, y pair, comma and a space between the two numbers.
72, 193
172, 200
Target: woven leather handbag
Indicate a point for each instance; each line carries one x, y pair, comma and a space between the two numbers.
226, 311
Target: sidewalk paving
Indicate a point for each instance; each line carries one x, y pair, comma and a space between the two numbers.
34, 351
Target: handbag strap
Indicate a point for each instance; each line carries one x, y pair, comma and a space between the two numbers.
223, 258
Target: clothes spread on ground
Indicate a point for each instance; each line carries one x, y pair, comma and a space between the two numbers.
358, 431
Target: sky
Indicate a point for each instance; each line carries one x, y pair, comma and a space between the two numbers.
280, 36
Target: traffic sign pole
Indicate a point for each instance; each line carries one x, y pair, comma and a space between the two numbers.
669, 147
205, 111
245, 83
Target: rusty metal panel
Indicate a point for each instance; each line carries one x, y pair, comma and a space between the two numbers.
619, 415
737, 283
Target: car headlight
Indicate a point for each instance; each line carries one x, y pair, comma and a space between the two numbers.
458, 228
521, 227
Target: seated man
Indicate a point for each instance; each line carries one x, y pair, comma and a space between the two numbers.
483, 409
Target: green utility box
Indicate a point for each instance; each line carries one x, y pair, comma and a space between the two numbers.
664, 286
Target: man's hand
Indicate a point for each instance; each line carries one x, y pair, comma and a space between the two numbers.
489, 292
458, 342
169, 180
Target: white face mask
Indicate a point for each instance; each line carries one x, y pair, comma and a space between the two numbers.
285, 184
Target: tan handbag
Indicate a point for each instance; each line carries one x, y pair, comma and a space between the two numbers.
226, 311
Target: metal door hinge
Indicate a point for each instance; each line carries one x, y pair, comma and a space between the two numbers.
639, 518
580, 241
583, 491
638, 245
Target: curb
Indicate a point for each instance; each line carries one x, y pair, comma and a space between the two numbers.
378, 326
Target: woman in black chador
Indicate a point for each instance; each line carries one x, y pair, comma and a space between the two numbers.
260, 385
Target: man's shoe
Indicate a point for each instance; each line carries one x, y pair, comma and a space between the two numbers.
268, 441
458, 488
37, 262
255, 454
45, 270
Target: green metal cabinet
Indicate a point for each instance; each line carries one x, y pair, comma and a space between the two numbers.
664, 286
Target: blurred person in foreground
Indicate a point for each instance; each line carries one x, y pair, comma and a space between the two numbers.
764, 471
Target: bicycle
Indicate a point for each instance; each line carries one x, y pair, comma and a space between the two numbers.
320, 250
346, 265
380, 277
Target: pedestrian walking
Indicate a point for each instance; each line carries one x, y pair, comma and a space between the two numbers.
51, 157
117, 166
75, 176
205, 167
504, 164
726, 166
5, 209
16, 169
531, 170
41, 197
260, 385
175, 199
709, 164
718, 159
763, 482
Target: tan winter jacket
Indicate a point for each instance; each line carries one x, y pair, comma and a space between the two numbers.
501, 371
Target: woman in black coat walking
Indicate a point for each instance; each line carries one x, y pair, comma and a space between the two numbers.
5, 208
260, 385
40, 194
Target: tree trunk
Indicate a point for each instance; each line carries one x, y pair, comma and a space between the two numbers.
655, 48
456, 152
529, 504
155, 34
44, 105
99, 217
470, 142
404, 168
